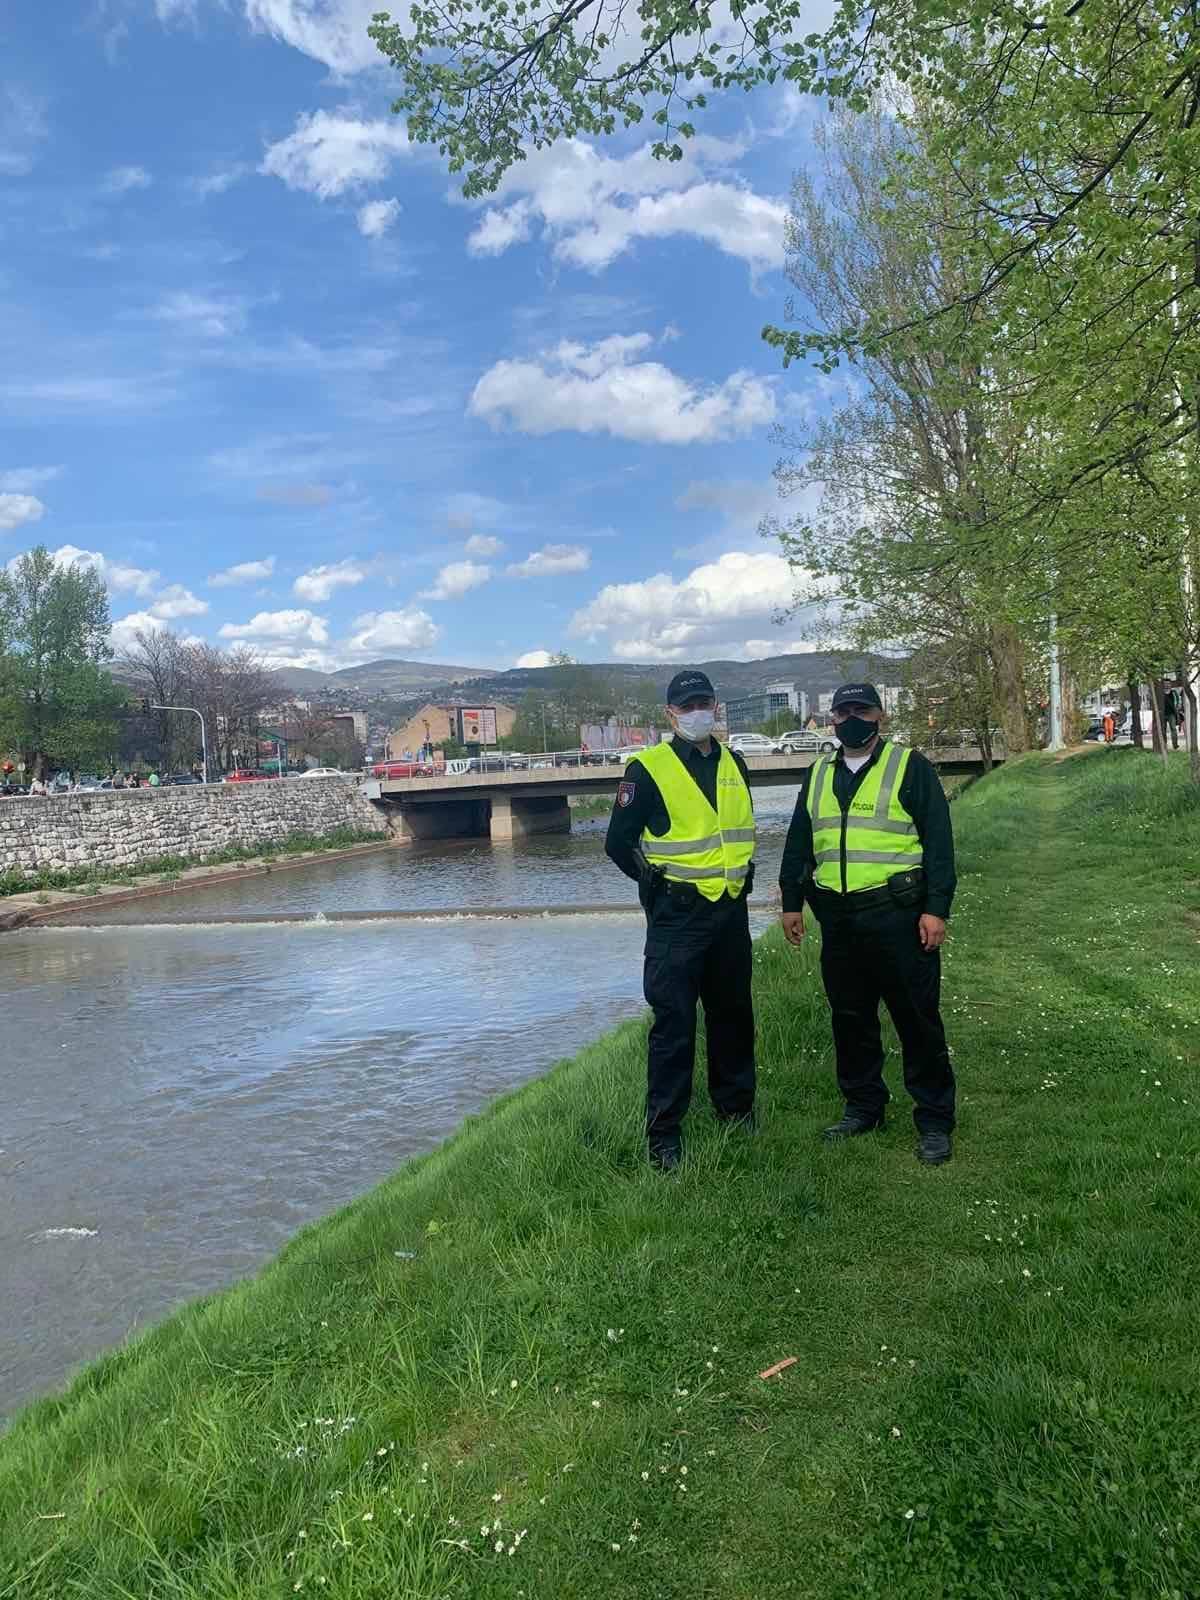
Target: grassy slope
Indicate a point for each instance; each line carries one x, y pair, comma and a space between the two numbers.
996, 1394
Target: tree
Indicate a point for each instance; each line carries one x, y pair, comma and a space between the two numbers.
230, 689
57, 703
913, 465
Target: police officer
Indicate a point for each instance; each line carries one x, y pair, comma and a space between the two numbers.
683, 826
870, 847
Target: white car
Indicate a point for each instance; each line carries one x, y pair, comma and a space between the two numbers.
323, 772
752, 744
804, 739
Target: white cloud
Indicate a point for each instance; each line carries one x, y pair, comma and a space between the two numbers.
376, 217
122, 633
329, 153
484, 544
243, 572
320, 582
221, 180
121, 180
455, 579
118, 576
286, 627
175, 601
88, 393
22, 129
331, 31
708, 612
377, 632
551, 560
533, 658
595, 206
18, 508
20, 480
599, 389
211, 316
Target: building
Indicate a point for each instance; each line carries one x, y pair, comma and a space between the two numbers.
439, 724
777, 699
354, 722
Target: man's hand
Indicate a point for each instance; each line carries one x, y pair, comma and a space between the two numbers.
932, 930
793, 927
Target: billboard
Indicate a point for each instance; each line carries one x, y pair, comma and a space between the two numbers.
477, 725
614, 735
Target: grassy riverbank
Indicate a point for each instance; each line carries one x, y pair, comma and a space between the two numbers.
527, 1367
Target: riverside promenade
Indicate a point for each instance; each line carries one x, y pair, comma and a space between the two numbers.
526, 1367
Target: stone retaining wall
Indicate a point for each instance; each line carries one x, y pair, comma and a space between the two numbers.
124, 827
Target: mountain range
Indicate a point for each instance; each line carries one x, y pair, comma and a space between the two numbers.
817, 672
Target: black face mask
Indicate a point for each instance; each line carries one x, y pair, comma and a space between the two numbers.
856, 731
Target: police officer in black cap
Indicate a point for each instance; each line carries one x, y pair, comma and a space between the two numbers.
870, 847
683, 827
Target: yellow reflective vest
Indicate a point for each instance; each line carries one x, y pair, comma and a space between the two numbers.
880, 837
710, 848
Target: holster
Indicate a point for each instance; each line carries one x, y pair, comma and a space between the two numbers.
907, 889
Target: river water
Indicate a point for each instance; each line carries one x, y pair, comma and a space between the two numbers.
177, 1100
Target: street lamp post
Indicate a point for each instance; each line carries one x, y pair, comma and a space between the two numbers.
203, 739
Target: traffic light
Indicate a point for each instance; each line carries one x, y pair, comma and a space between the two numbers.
145, 705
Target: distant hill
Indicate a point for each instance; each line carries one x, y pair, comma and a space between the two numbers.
817, 672
377, 677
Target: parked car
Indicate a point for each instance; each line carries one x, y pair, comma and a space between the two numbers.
400, 769
182, 777
801, 740
246, 775
322, 772
752, 744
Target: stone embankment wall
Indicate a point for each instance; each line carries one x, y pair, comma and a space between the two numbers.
124, 827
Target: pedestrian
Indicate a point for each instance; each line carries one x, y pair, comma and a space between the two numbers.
870, 847
153, 780
1110, 727
683, 827
118, 780
1173, 715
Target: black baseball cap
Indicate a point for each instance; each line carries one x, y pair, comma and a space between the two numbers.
686, 685
864, 694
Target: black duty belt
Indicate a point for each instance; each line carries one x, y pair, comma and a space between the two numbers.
861, 900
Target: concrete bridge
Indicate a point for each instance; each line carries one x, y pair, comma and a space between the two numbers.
515, 804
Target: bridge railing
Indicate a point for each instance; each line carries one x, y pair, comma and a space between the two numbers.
498, 761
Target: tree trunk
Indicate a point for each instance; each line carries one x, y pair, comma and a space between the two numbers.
1008, 680
1158, 733
1191, 733
1135, 714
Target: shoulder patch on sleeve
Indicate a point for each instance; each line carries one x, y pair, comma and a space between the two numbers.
625, 793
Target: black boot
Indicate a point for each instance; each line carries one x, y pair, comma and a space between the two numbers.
665, 1156
852, 1124
934, 1148
741, 1121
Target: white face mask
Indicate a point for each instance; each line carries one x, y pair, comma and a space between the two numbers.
695, 725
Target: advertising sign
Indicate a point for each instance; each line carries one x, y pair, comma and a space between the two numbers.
477, 725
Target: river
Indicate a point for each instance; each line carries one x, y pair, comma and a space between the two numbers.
177, 1100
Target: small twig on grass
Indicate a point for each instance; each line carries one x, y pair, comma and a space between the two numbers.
780, 1366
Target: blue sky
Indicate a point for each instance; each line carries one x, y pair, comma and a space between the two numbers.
263, 366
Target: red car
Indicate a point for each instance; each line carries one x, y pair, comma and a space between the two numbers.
247, 775
400, 769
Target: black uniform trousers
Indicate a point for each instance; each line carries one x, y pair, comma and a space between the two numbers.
875, 954
697, 950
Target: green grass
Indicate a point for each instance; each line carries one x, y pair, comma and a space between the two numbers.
996, 1395
171, 866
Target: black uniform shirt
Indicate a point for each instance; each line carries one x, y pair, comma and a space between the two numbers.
921, 795
646, 810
